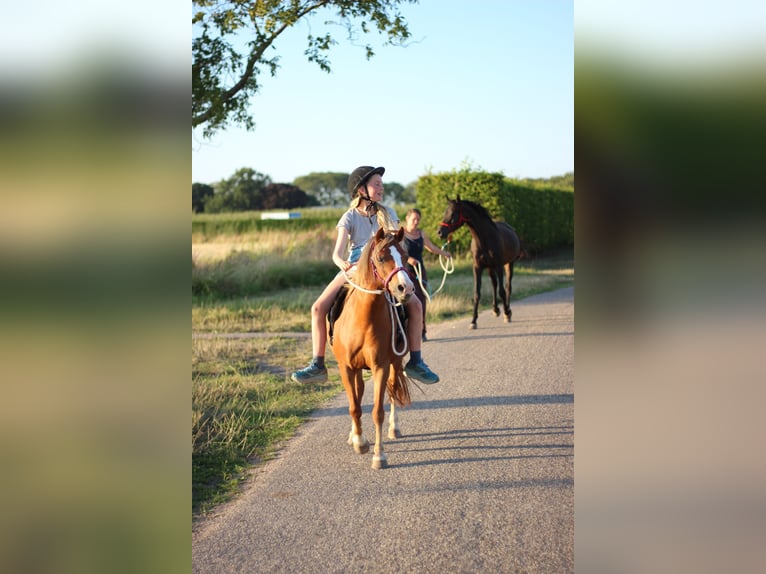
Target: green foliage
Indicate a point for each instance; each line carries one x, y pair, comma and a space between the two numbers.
543, 216
225, 71
208, 226
328, 187
396, 193
241, 192
285, 196
200, 193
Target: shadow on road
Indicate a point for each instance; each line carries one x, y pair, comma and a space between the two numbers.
472, 443
461, 402
487, 337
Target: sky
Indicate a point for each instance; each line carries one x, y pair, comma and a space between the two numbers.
486, 84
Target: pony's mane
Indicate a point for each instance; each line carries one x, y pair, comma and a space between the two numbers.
363, 274
480, 210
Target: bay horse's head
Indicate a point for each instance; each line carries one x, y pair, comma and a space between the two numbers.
386, 269
453, 218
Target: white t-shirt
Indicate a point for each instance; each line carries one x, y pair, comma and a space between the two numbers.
360, 229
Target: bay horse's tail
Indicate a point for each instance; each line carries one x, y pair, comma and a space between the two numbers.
398, 386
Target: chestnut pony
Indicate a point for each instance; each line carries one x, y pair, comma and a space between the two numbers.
495, 246
365, 337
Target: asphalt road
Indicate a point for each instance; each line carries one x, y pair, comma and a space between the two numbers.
481, 481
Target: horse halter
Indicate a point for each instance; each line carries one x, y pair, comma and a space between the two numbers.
390, 276
461, 219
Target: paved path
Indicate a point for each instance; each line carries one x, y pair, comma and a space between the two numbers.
482, 481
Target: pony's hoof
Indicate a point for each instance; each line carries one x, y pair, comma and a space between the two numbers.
360, 443
496, 312
507, 319
394, 433
379, 461
472, 326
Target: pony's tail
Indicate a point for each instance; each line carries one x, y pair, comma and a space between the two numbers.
398, 386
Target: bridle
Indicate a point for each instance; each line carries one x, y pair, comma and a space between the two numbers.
461, 219
388, 279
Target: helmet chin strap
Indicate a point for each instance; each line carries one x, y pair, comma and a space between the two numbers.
372, 206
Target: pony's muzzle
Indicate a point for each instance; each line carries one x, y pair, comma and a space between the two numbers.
402, 287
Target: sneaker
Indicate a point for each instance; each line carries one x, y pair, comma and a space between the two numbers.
311, 374
421, 373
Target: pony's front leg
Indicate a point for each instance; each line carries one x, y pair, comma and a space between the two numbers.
393, 423
379, 459
354, 385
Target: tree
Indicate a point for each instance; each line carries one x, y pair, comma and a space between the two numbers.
285, 196
200, 193
225, 74
241, 192
397, 193
329, 188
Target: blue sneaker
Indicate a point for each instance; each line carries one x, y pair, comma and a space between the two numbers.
421, 373
311, 374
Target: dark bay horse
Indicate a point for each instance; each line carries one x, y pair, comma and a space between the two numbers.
494, 246
364, 337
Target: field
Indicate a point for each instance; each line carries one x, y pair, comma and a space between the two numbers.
251, 299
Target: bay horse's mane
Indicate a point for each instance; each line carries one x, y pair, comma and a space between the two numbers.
480, 210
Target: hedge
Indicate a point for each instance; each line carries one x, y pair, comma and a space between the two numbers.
542, 216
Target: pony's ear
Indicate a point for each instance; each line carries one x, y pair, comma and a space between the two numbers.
399, 235
447, 197
458, 198
380, 234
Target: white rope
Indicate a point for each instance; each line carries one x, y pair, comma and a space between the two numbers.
448, 269
394, 322
355, 286
419, 276
393, 314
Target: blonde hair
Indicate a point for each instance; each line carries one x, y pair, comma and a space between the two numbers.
384, 216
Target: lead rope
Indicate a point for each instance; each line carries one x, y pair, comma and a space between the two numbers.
394, 324
448, 268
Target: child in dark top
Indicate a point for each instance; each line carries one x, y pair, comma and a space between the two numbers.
415, 239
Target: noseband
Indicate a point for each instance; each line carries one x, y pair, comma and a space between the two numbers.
388, 279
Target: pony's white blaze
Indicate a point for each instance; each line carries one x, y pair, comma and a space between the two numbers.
403, 276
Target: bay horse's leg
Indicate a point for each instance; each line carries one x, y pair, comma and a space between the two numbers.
493, 277
354, 385
393, 423
476, 294
378, 415
508, 289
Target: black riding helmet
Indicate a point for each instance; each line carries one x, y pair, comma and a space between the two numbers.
360, 175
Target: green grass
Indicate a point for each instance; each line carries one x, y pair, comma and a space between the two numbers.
287, 308
243, 407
